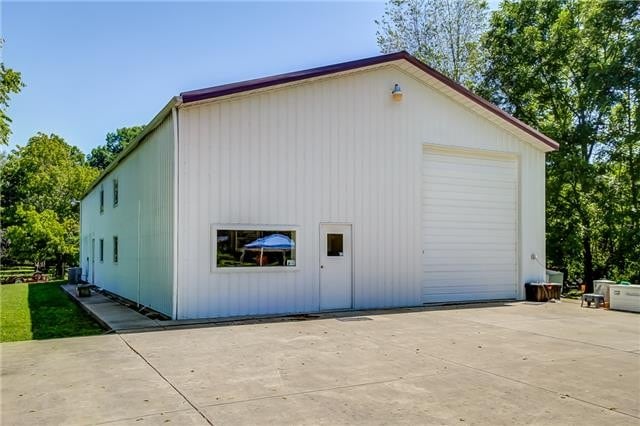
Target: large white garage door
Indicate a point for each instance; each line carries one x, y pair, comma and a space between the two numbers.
468, 226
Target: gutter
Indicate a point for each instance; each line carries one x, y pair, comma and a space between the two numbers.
174, 102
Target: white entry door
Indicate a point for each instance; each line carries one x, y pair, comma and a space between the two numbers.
335, 266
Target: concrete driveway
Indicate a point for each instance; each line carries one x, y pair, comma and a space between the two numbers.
513, 363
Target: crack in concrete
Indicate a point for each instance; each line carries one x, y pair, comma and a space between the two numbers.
413, 377
550, 337
310, 391
491, 373
158, 413
167, 381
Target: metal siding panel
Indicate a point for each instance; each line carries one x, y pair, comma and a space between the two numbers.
145, 178
332, 150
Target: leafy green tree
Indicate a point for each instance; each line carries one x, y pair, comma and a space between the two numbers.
10, 82
102, 155
571, 68
442, 33
47, 173
37, 237
39, 182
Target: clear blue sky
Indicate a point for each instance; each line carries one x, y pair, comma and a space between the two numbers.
93, 67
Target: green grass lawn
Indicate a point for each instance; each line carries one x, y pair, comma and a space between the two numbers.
41, 311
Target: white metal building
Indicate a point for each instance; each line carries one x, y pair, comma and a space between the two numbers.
321, 190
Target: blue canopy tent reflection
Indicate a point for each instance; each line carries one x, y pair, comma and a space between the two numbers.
274, 243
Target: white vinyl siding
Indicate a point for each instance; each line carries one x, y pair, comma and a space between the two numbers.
469, 226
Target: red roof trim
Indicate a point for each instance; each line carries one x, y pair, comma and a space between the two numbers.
244, 86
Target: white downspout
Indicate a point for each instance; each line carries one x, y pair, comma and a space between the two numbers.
138, 301
82, 245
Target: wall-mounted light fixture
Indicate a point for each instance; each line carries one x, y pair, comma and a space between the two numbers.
396, 93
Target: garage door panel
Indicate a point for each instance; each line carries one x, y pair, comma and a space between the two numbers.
467, 161
469, 226
449, 234
462, 260
451, 257
489, 195
490, 228
466, 296
444, 217
459, 287
453, 177
461, 263
429, 203
471, 288
459, 203
467, 271
468, 264
488, 174
486, 195
478, 182
464, 246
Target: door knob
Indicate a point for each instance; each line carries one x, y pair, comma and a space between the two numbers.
321, 266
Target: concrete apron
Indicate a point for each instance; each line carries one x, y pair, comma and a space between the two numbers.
508, 364
115, 316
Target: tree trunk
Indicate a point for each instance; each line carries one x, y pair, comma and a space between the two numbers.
588, 263
59, 266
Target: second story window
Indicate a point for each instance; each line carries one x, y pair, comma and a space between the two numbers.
115, 192
115, 249
101, 199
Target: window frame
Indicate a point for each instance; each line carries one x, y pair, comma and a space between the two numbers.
213, 244
116, 192
101, 250
116, 249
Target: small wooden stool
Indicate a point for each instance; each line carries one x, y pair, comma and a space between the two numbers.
592, 298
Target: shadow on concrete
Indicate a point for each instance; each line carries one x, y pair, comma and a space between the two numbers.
348, 315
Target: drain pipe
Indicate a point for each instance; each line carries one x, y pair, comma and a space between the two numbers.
176, 204
138, 299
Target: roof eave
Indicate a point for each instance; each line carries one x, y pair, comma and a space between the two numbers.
155, 122
281, 79
259, 83
483, 102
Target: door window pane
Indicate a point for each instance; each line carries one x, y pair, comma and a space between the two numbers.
335, 245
